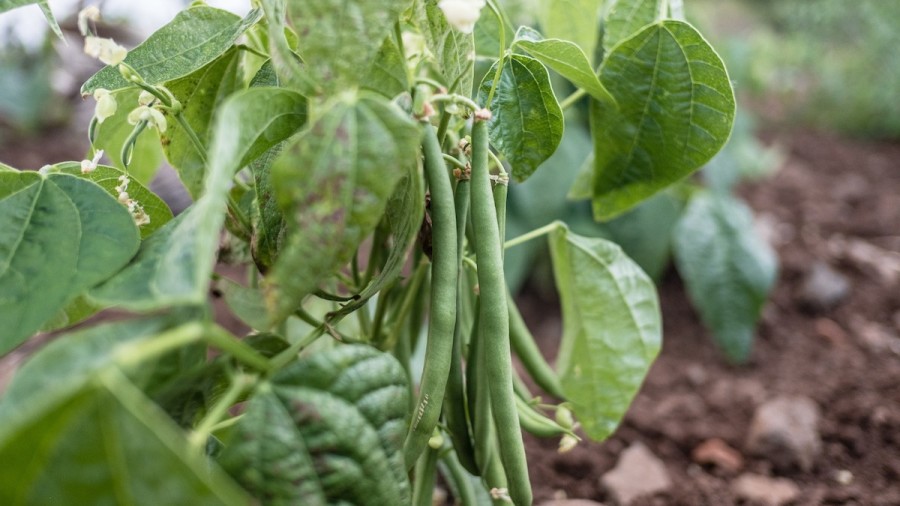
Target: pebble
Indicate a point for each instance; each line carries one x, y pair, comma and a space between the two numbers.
718, 453
831, 331
638, 473
785, 431
823, 287
765, 490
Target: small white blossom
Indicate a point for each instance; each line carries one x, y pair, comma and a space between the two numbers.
88, 166
106, 104
106, 50
152, 116
88, 14
140, 216
462, 14
500, 494
567, 443
146, 98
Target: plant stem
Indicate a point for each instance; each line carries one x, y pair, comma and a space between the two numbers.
534, 234
453, 161
406, 305
222, 339
238, 385
456, 99
572, 99
161, 344
496, 10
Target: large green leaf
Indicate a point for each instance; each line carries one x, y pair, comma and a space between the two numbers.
327, 430
728, 270
200, 93
108, 178
61, 235
388, 74
195, 37
333, 185
566, 58
675, 111
612, 328
336, 48
453, 50
527, 123
405, 212
174, 264
104, 443
574, 20
626, 17
115, 130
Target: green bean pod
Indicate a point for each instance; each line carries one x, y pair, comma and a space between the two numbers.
442, 321
526, 349
455, 404
458, 479
536, 423
423, 487
493, 324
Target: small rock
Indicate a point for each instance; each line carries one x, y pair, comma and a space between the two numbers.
638, 473
823, 287
831, 331
785, 431
876, 337
718, 453
843, 477
765, 490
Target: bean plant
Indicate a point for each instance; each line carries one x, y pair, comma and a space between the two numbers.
349, 175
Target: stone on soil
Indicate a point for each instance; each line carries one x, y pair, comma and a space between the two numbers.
765, 490
785, 431
638, 473
718, 453
823, 287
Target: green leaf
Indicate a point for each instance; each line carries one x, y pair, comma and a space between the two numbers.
645, 232
333, 184
612, 328
574, 20
527, 123
338, 48
108, 178
246, 303
405, 212
200, 93
71, 361
453, 50
487, 36
115, 130
105, 443
626, 17
61, 236
8, 5
675, 111
174, 264
51, 19
388, 74
197, 36
727, 269
76, 311
566, 58
328, 430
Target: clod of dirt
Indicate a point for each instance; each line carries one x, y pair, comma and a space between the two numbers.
876, 337
823, 287
638, 473
785, 431
718, 453
765, 490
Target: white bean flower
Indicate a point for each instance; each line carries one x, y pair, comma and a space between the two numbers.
462, 14
88, 166
106, 104
106, 50
151, 115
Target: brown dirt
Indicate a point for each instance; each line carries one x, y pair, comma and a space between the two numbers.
836, 201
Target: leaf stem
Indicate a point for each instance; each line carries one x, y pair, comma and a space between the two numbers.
492, 4
223, 340
534, 234
406, 305
239, 384
456, 99
169, 340
572, 99
454, 162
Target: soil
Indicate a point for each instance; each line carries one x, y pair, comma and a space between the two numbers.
835, 201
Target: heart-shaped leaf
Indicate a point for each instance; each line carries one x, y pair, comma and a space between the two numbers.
61, 235
727, 269
327, 430
453, 50
527, 123
675, 111
612, 328
575, 20
627, 17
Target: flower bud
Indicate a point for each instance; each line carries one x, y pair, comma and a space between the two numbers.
85, 16
106, 104
462, 14
146, 98
88, 166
